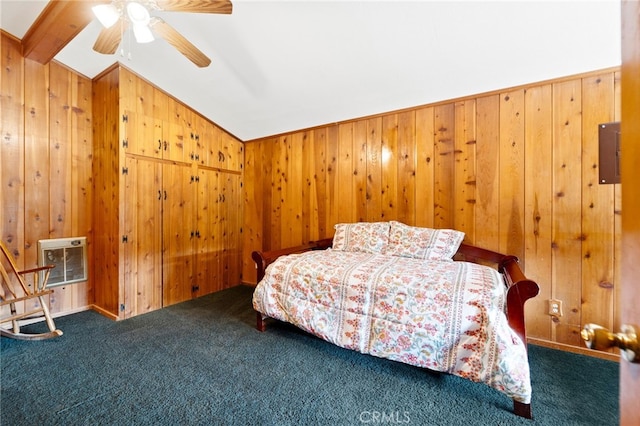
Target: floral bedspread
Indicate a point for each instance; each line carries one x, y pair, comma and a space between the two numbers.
444, 316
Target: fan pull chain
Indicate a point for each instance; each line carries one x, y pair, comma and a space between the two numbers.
122, 38
129, 41
126, 39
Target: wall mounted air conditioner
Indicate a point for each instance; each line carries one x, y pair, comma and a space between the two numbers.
69, 255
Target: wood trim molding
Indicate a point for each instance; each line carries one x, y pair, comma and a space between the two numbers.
573, 349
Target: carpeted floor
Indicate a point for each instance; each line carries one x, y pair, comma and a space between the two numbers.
202, 362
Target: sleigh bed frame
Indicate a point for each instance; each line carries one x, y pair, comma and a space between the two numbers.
520, 289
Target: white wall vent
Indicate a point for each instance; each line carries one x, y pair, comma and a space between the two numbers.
69, 255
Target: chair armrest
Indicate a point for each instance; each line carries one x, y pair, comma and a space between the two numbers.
38, 269
39, 286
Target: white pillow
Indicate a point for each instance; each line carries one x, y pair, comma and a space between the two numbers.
367, 237
423, 243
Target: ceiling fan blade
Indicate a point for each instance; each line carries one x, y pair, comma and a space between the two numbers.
195, 6
178, 41
109, 39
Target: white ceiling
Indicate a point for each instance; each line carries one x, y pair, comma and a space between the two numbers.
279, 66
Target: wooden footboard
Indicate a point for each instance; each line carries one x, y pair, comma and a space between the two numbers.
520, 288
264, 259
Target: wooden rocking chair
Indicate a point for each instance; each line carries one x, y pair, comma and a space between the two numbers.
14, 289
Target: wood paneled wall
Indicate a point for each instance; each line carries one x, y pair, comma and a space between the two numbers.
516, 170
45, 160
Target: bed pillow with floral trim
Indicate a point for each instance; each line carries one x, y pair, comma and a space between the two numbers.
367, 237
423, 243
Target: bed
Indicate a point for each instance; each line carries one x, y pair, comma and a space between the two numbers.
409, 294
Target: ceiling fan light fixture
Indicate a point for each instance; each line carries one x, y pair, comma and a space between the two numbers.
138, 14
107, 14
142, 33
140, 18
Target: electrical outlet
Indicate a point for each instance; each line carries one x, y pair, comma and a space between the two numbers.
555, 307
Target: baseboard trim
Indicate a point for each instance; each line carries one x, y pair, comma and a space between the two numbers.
568, 348
104, 312
28, 321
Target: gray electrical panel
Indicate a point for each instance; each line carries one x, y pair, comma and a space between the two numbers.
609, 146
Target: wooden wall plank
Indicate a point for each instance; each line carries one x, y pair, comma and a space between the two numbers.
308, 188
374, 169
538, 212
60, 173
36, 185
487, 172
567, 206
360, 130
406, 157
444, 126
512, 173
251, 208
389, 188
233, 242
464, 168
268, 183
286, 204
320, 181
60, 151
598, 215
12, 143
425, 167
12, 151
81, 177
81, 156
277, 198
36, 158
333, 205
345, 190
292, 210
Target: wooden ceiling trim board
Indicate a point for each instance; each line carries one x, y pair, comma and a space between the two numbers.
57, 25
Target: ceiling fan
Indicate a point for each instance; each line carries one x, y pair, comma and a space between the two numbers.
137, 14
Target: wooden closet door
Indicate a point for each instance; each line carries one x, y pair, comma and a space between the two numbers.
142, 287
141, 136
230, 225
209, 242
178, 241
179, 145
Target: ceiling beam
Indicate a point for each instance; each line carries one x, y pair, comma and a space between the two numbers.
57, 25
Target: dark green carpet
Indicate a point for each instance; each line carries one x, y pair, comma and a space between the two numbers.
203, 362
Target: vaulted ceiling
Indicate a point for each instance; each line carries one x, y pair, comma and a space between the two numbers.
281, 65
